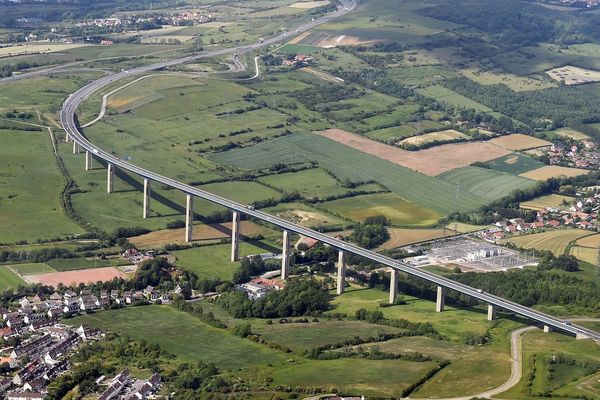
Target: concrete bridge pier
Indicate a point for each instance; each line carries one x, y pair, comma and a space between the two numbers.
67, 138
341, 272
547, 329
441, 299
393, 286
75, 147
235, 236
285, 256
147, 194
189, 217
88, 160
110, 178
491, 314
581, 336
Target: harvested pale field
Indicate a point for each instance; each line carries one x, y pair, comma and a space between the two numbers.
441, 136
432, 162
553, 171
299, 38
36, 48
309, 4
571, 133
587, 254
556, 241
574, 75
403, 237
86, 276
518, 141
201, 232
543, 202
322, 74
343, 40
589, 241
165, 39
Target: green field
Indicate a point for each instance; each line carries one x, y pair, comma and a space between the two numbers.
441, 93
32, 268
543, 202
8, 279
70, 264
30, 189
348, 163
487, 183
214, 261
397, 210
555, 241
515, 164
299, 337
185, 336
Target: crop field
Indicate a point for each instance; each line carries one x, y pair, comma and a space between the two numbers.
587, 254
402, 237
515, 163
392, 134
441, 136
570, 133
553, 171
397, 210
192, 341
213, 261
9, 279
487, 183
518, 141
28, 163
35, 48
410, 185
32, 268
432, 161
201, 232
555, 241
312, 183
543, 202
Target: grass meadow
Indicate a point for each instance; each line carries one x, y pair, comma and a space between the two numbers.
8, 279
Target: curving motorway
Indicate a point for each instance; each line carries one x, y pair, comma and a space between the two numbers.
68, 120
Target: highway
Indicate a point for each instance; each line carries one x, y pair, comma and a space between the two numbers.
69, 124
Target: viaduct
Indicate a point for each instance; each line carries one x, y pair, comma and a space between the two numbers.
81, 144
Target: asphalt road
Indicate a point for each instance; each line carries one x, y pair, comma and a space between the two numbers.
69, 124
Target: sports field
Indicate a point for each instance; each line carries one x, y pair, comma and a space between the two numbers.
8, 279
543, 202
76, 277
519, 141
432, 161
397, 210
555, 241
515, 163
31, 269
486, 183
355, 165
553, 171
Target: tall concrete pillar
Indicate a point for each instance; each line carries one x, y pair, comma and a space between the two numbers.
189, 217
341, 272
491, 314
235, 236
547, 329
66, 138
285, 256
147, 195
88, 160
110, 178
75, 147
441, 299
393, 285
